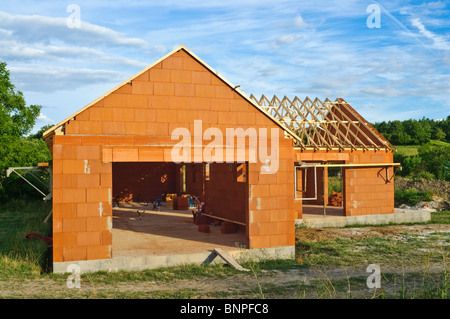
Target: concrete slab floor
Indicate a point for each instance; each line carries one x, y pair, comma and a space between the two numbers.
316, 211
163, 232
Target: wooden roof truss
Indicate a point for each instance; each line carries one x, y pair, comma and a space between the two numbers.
323, 124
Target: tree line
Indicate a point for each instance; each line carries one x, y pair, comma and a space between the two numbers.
414, 132
431, 137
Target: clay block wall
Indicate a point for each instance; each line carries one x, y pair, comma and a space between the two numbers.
271, 202
225, 196
194, 180
144, 181
129, 124
82, 213
366, 192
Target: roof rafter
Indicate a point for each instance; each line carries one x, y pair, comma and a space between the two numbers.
323, 124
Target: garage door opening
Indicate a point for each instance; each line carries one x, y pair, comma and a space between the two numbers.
156, 207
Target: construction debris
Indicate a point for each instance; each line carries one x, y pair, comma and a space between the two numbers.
335, 199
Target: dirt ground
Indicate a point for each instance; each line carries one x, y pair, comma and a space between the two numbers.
319, 234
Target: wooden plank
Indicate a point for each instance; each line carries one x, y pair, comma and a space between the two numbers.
224, 219
230, 261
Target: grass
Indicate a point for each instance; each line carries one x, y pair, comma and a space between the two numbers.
407, 150
20, 257
22, 261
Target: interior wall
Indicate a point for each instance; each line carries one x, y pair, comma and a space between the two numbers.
144, 181
226, 192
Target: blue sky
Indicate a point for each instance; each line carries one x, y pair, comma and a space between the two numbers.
304, 48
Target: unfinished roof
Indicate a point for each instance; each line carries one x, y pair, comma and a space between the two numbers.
324, 125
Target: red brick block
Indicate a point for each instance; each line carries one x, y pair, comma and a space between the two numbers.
204, 220
228, 227
203, 228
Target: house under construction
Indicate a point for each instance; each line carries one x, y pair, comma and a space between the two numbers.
121, 201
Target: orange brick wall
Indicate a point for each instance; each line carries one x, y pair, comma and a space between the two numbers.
271, 202
365, 191
134, 124
225, 196
82, 213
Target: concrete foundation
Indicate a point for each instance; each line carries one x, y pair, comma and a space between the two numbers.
165, 238
400, 216
157, 261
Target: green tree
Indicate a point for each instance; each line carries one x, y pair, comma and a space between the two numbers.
435, 157
16, 119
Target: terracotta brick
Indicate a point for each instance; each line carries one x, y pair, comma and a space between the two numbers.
165, 116
88, 180
106, 180
73, 166
151, 154
93, 140
113, 128
88, 238
162, 88
201, 77
67, 140
158, 101
64, 210
125, 154
115, 100
137, 100
107, 155
142, 87
72, 127
223, 92
98, 252
97, 223
87, 210
97, 194
180, 76
74, 253
74, 224
173, 63
160, 75
204, 90
57, 225
124, 89
192, 65
57, 254
66, 239
88, 152
74, 195
143, 77
106, 237
183, 89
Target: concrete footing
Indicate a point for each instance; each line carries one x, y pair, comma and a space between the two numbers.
156, 261
400, 216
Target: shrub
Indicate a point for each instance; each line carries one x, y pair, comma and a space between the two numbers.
411, 196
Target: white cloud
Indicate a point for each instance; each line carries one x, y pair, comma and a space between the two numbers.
438, 41
37, 78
